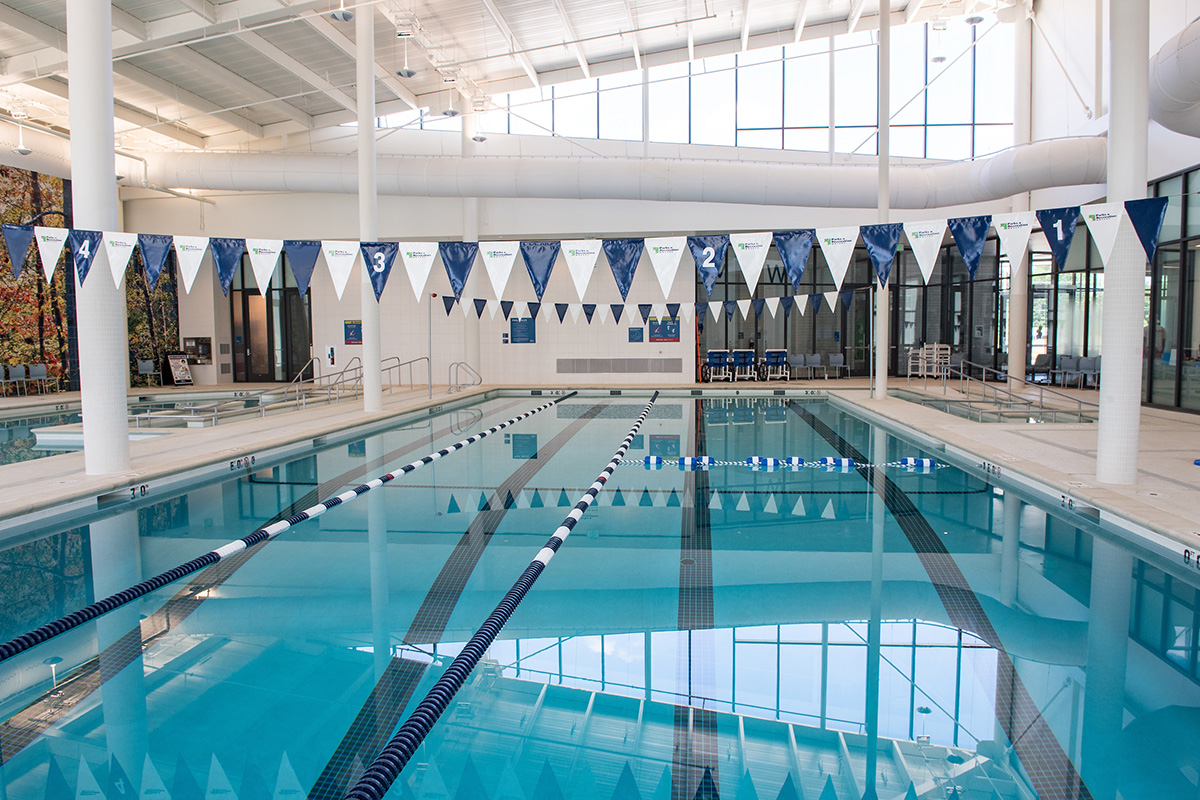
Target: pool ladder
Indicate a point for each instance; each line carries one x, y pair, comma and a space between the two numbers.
462, 376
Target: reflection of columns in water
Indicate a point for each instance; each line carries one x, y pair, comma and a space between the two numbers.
377, 549
1010, 548
117, 565
878, 513
1107, 651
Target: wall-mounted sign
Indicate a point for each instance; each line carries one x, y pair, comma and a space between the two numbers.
637, 335
664, 330
353, 331
522, 330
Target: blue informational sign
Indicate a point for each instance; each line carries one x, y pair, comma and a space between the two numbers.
522, 330
353, 331
664, 330
636, 335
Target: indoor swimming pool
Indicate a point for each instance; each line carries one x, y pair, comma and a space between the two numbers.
776, 632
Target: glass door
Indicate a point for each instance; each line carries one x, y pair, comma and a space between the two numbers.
272, 331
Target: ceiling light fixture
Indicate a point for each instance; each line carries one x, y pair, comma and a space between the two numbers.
341, 14
480, 138
405, 71
21, 149
974, 19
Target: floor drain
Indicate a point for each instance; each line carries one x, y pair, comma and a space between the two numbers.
687, 561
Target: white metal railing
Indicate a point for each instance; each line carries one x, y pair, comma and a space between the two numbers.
968, 382
398, 368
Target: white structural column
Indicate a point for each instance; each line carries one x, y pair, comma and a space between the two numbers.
368, 202
1124, 275
470, 233
99, 307
885, 200
1018, 282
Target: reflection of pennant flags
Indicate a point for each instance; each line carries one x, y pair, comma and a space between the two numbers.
794, 249
155, 247
185, 786
881, 241
506, 307
302, 258
644, 309
786, 303
758, 305
561, 310
744, 307
838, 246
227, 255
17, 239
218, 784
539, 261
709, 254
831, 299
1147, 215
458, 258
56, 782
798, 509
970, 235
581, 255
153, 787
1058, 226
588, 310
85, 782
378, 258
50, 243
623, 256
743, 504
925, 239
533, 308
287, 786
751, 251
264, 257
189, 252
1104, 220
118, 249
479, 306
769, 507
714, 503
814, 300
448, 302
119, 785
731, 307
84, 245
1014, 230
418, 262
617, 310
665, 254
498, 260
847, 297
339, 258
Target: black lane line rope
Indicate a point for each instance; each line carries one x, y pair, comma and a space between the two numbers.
386, 767
87, 613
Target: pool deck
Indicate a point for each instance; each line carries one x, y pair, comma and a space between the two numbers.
1165, 498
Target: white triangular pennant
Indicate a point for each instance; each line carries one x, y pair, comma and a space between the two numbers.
574, 309
658, 310
744, 307
1104, 220
751, 251
838, 246
287, 786
714, 504
466, 307
493, 308
581, 255
50, 243
189, 253
925, 239
743, 504
264, 257
339, 258
716, 310
665, 253
602, 312
418, 261
800, 303
118, 248
498, 260
831, 299
828, 512
219, 787
772, 306
152, 786
1013, 230
798, 509
769, 507
687, 311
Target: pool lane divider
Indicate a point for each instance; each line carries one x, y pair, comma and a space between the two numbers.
390, 762
88, 613
793, 463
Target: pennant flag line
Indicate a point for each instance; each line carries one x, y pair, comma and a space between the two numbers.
1147, 216
50, 244
16, 240
665, 255
838, 246
970, 235
881, 241
340, 258
581, 255
751, 252
498, 260
1103, 221
925, 239
1013, 230
1058, 226
539, 261
264, 257
709, 254
302, 255
623, 256
794, 249
84, 245
155, 248
378, 258
118, 249
458, 258
189, 252
227, 255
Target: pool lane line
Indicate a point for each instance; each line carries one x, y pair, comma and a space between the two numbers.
384, 707
378, 778
1043, 759
114, 601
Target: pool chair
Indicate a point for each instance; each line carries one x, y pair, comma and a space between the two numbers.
1089, 369
837, 363
1067, 372
18, 378
812, 362
796, 366
6, 380
774, 365
716, 367
146, 370
743, 365
38, 375
1041, 365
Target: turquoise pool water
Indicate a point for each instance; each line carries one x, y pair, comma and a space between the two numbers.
729, 632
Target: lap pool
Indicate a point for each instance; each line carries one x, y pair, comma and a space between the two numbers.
854, 630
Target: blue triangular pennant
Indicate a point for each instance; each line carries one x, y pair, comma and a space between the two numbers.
561, 310
83, 250
227, 255
1058, 224
506, 307
757, 304
617, 310
786, 304
17, 239
378, 258
539, 260
588, 310
794, 248
154, 247
970, 235
458, 258
709, 254
623, 256
730, 307
1147, 216
847, 297
534, 308
881, 241
302, 258
672, 310
644, 310
448, 302
480, 304
701, 310
814, 301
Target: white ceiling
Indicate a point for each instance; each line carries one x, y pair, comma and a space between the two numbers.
230, 73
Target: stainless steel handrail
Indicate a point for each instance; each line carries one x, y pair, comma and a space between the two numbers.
401, 364
968, 380
454, 377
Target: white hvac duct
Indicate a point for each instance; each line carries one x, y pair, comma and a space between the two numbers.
1039, 165
1175, 82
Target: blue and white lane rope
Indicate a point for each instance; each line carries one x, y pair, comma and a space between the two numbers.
769, 464
387, 766
77, 618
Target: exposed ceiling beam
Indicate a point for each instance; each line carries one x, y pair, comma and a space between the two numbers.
299, 70
513, 44
184, 97
256, 93
855, 15
745, 24
125, 113
637, 50
801, 19
204, 8
910, 10
123, 20
334, 34
572, 36
36, 28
